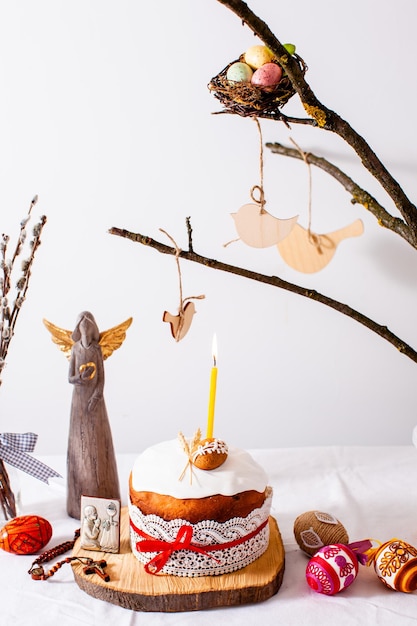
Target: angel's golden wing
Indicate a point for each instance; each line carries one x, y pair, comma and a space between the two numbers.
61, 337
113, 338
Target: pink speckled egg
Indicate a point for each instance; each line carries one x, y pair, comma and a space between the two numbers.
332, 569
239, 72
268, 75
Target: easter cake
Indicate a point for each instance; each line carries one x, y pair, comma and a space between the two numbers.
198, 509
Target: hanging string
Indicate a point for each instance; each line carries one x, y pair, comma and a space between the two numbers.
313, 238
256, 188
177, 255
307, 162
259, 188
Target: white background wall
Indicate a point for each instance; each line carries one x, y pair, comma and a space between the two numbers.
105, 113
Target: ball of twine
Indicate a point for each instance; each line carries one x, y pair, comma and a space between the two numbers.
314, 529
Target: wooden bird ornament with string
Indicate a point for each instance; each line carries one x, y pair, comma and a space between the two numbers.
306, 251
258, 228
180, 323
255, 226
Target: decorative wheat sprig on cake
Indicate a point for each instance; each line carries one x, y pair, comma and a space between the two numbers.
188, 447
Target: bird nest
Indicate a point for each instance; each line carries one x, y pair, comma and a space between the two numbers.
246, 99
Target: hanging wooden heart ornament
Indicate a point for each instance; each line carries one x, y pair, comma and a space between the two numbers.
308, 252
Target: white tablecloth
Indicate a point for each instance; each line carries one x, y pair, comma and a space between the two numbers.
371, 490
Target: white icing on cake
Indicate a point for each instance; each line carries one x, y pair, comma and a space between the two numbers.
158, 469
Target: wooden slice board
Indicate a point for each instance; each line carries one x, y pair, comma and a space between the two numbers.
132, 588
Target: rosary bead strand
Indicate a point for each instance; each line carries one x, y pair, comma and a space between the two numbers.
92, 567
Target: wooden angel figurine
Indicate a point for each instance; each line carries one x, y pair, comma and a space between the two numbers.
91, 461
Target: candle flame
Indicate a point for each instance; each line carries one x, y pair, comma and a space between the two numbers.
214, 349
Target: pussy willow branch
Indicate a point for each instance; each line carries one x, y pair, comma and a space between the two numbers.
326, 118
274, 281
9, 310
359, 195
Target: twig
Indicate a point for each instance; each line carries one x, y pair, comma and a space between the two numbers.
359, 195
190, 234
7, 499
274, 281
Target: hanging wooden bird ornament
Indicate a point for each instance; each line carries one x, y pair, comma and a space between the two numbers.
306, 251
255, 226
258, 228
180, 323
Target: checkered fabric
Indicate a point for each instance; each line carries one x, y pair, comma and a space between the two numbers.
13, 450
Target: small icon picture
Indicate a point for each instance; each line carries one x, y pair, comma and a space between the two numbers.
100, 524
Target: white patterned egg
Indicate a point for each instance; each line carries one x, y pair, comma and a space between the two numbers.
395, 564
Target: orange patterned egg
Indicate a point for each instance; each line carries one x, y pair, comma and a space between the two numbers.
27, 534
395, 563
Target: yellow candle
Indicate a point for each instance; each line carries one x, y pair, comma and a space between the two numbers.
212, 395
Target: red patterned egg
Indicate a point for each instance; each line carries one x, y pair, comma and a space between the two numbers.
27, 534
332, 569
395, 563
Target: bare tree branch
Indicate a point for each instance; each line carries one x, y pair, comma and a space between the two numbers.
359, 195
274, 281
325, 117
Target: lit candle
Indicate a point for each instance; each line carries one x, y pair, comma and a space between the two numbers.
212, 396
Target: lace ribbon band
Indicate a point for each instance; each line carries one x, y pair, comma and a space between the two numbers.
182, 542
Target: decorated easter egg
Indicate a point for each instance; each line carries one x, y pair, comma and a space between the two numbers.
332, 569
239, 72
268, 75
256, 56
209, 453
27, 534
315, 529
395, 564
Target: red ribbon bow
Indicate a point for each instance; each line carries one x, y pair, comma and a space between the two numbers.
165, 548
182, 542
